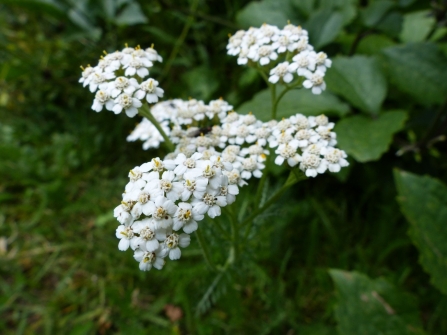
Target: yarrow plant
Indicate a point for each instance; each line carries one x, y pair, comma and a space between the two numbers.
213, 151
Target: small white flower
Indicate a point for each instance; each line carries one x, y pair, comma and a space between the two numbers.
315, 81
322, 61
312, 164
250, 166
184, 164
304, 61
149, 259
195, 187
287, 152
128, 103
150, 90
86, 75
282, 71
167, 186
210, 203
149, 235
335, 158
264, 54
100, 80
122, 84
163, 212
138, 66
186, 217
172, 243
101, 99
153, 55
125, 234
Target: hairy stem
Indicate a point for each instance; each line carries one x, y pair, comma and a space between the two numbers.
144, 111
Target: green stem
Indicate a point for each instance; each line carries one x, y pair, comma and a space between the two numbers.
205, 251
274, 102
262, 182
234, 234
144, 111
180, 39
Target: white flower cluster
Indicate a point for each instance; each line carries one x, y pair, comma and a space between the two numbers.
266, 45
166, 196
119, 83
309, 142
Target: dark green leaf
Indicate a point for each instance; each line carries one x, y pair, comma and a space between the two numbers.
423, 201
275, 12
296, 101
373, 44
376, 11
372, 307
417, 26
131, 15
367, 139
418, 69
359, 80
324, 26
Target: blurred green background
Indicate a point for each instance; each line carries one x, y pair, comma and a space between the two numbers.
63, 168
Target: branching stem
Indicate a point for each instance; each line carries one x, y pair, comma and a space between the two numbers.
144, 111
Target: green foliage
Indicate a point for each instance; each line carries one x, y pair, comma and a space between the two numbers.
419, 70
359, 80
63, 168
296, 101
371, 307
367, 139
417, 26
423, 201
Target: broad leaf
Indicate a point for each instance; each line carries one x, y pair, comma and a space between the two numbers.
296, 101
359, 80
376, 11
131, 15
417, 26
366, 139
423, 201
374, 44
275, 12
324, 26
372, 307
418, 69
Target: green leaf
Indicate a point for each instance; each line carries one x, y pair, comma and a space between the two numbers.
417, 26
372, 307
367, 139
376, 11
418, 69
131, 15
201, 81
296, 101
423, 200
373, 44
324, 26
359, 80
275, 12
